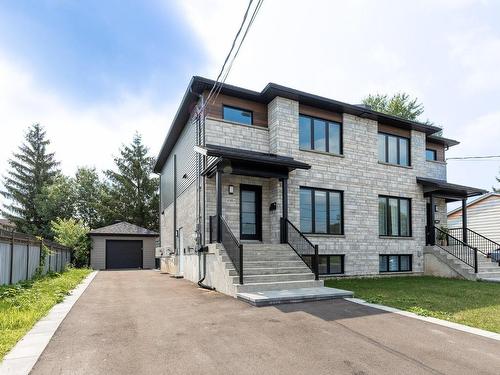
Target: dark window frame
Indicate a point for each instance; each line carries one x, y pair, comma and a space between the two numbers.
434, 153
238, 109
313, 210
398, 137
327, 134
387, 223
410, 256
309, 258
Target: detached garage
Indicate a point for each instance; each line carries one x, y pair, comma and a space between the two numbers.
122, 245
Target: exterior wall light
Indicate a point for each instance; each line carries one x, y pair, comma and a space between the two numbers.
230, 189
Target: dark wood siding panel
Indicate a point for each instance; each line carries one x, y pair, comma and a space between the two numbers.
438, 148
321, 113
259, 110
393, 130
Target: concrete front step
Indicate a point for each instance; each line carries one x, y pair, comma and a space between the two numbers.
275, 297
251, 279
267, 257
272, 264
482, 275
269, 270
257, 287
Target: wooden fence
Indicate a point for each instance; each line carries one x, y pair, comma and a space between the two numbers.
21, 256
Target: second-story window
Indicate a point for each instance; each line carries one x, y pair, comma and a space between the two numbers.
430, 155
239, 115
393, 149
320, 135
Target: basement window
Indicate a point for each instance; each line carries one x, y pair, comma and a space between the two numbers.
395, 263
329, 264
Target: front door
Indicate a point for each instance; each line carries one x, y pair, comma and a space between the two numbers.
250, 212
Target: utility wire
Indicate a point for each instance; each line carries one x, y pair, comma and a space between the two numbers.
474, 157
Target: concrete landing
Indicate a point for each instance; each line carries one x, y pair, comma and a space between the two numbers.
275, 297
491, 279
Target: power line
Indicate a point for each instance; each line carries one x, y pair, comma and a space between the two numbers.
230, 58
474, 157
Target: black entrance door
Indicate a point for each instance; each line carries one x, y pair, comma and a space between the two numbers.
123, 254
250, 212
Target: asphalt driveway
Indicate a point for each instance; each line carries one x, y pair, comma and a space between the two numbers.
144, 322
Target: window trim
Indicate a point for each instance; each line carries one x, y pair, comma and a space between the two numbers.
239, 109
399, 262
386, 161
327, 135
387, 197
342, 263
434, 153
313, 210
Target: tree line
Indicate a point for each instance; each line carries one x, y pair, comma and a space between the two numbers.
40, 200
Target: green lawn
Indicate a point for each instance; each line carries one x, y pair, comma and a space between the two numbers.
23, 304
472, 303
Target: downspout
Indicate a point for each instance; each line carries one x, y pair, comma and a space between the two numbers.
203, 250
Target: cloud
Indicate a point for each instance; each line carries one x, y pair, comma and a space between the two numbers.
79, 135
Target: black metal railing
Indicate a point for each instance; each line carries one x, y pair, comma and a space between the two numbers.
476, 240
220, 232
456, 247
304, 248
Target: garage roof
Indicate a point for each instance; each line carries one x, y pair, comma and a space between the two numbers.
123, 228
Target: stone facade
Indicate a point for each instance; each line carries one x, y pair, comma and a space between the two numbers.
357, 173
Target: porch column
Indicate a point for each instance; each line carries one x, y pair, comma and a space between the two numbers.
218, 192
284, 206
432, 229
464, 220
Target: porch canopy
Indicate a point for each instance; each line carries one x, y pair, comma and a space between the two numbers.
434, 188
248, 163
450, 192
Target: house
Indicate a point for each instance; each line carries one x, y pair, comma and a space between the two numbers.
122, 245
483, 216
280, 188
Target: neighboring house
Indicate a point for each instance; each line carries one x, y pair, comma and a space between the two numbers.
5, 224
122, 245
483, 216
284, 172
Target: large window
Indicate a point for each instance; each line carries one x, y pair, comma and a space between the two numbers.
320, 135
328, 264
395, 263
430, 155
237, 115
394, 216
393, 149
321, 211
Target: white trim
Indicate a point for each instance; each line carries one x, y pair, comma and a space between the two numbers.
23, 356
444, 323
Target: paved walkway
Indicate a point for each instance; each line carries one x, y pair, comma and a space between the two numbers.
144, 322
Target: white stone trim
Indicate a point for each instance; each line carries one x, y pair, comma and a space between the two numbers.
441, 322
23, 356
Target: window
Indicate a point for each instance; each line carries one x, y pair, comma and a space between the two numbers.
430, 155
395, 263
394, 216
237, 115
320, 135
328, 264
321, 211
393, 149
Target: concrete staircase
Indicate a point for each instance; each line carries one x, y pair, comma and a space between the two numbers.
487, 269
269, 267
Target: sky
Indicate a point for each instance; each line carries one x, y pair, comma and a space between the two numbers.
95, 72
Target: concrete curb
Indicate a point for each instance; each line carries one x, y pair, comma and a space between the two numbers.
444, 323
23, 356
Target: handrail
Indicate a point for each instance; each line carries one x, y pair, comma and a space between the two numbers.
291, 235
483, 244
233, 247
459, 249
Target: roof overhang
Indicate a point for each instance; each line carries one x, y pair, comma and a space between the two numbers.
442, 140
199, 85
248, 163
448, 191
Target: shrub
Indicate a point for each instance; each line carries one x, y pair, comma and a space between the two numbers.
74, 234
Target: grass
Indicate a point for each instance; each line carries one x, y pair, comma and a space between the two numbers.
23, 304
475, 304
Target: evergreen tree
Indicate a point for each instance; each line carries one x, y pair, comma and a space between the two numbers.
31, 169
133, 190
